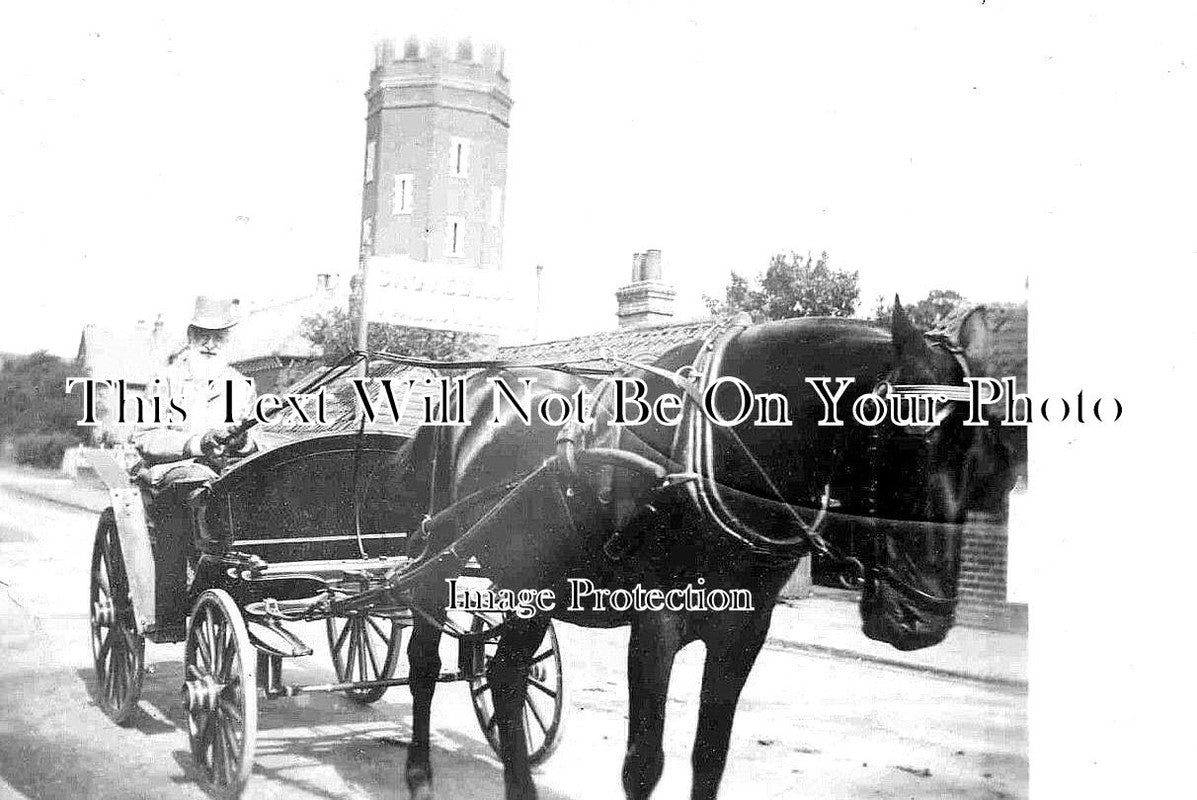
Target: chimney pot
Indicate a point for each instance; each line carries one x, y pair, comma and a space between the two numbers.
651, 266
647, 300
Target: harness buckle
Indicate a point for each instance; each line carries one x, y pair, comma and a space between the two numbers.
678, 478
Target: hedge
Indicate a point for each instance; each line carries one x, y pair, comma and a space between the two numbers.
42, 449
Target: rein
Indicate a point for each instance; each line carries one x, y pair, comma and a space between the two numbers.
697, 456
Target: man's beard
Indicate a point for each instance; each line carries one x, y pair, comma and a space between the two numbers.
208, 365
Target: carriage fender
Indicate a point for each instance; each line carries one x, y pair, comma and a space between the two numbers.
133, 532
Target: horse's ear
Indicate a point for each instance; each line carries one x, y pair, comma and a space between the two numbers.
975, 336
908, 340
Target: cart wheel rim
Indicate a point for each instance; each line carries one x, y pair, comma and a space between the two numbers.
219, 693
545, 700
364, 647
118, 651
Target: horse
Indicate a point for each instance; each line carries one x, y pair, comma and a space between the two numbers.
724, 506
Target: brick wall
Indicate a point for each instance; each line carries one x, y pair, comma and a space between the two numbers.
982, 587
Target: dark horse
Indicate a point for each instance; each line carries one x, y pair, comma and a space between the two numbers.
730, 510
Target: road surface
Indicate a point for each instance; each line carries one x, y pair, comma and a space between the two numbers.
808, 727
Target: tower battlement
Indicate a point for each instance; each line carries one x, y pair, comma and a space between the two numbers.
462, 66
440, 50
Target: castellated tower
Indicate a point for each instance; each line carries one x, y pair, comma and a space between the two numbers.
436, 153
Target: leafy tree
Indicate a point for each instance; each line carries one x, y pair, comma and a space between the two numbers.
791, 286
33, 397
335, 334
926, 313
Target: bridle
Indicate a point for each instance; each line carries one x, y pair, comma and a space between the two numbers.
694, 449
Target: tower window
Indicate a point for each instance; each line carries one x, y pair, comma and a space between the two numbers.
401, 203
368, 232
465, 50
411, 48
459, 157
371, 153
454, 236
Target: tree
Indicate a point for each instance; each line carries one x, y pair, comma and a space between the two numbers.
335, 334
791, 286
33, 396
926, 313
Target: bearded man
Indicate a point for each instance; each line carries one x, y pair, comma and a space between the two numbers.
211, 392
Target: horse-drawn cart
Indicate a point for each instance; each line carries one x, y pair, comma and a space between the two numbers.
361, 529
300, 533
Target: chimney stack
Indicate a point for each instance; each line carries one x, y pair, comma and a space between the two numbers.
647, 300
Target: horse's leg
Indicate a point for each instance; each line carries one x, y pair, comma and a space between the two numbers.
655, 640
424, 659
507, 675
732, 648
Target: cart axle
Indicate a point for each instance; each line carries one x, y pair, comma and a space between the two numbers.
297, 689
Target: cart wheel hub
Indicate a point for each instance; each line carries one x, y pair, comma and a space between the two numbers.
102, 612
201, 694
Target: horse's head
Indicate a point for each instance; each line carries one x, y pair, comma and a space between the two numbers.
923, 477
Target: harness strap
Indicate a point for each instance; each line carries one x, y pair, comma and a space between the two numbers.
698, 474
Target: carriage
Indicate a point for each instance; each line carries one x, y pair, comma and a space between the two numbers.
308, 531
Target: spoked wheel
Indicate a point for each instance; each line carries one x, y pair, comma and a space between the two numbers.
116, 647
544, 702
220, 693
365, 647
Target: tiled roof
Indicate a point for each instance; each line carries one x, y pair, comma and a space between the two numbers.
634, 343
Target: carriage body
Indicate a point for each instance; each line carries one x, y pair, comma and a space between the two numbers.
282, 524
299, 533
320, 515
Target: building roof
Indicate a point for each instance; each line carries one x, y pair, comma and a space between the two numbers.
139, 353
635, 343
277, 329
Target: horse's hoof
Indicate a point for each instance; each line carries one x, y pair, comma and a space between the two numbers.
419, 784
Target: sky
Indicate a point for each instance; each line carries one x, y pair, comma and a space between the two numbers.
154, 152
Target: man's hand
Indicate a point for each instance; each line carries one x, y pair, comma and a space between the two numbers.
219, 441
